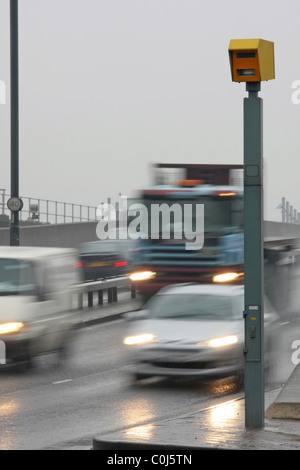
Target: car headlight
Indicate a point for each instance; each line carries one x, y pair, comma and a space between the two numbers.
11, 327
223, 341
142, 276
145, 338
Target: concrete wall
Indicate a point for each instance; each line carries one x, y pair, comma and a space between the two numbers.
72, 234
59, 235
281, 230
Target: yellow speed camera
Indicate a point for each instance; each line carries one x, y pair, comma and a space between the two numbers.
251, 60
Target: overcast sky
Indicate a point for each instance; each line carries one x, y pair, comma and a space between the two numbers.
109, 86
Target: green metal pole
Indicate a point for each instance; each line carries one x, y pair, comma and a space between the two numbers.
253, 250
14, 80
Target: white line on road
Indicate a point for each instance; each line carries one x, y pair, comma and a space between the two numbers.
62, 381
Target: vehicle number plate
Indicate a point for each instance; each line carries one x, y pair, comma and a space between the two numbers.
176, 357
96, 264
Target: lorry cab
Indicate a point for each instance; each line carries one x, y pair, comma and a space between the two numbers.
36, 296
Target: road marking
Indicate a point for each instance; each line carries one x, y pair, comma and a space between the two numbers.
62, 381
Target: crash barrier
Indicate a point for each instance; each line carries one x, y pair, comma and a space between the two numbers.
97, 288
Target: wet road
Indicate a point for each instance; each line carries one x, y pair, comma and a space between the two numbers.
64, 405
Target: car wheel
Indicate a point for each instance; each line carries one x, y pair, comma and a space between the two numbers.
240, 379
137, 377
25, 363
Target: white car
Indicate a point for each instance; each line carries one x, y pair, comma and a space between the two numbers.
192, 331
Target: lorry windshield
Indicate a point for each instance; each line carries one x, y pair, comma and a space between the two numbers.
222, 215
16, 277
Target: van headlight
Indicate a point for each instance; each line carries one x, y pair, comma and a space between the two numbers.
10, 327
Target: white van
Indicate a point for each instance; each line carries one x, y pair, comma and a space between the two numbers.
36, 295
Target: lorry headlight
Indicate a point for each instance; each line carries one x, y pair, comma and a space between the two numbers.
227, 277
142, 276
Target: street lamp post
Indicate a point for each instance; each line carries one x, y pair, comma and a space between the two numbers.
252, 60
14, 93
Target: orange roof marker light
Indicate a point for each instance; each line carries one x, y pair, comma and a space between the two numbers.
189, 183
251, 60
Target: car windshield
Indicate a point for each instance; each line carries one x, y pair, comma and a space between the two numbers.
16, 277
193, 307
103, 247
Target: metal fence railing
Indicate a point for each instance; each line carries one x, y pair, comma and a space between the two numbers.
47, 211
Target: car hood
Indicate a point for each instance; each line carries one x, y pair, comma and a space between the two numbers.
186, 330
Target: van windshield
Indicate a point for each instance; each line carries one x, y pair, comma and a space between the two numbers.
16, 277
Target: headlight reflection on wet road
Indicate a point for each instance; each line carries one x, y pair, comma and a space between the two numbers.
8, 411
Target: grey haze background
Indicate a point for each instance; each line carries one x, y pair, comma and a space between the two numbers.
109, 86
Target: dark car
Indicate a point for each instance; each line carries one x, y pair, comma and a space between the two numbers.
104, 259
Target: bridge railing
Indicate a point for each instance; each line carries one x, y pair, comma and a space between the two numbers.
46, 211
89, 292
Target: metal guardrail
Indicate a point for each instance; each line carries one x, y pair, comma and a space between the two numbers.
98, 287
